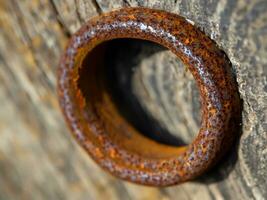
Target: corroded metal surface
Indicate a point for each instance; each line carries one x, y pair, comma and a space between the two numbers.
108, 138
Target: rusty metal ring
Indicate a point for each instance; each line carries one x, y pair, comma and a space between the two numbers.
117, 146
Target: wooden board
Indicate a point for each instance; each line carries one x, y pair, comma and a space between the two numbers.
38, 157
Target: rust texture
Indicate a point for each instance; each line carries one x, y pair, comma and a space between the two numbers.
108, 138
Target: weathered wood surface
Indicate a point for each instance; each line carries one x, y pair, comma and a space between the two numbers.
38, 157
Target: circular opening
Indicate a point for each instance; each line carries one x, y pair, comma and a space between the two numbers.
141, 87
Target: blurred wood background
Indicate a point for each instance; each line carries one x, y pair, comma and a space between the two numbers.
38, 157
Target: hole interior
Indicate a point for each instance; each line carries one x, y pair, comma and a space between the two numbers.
106, 80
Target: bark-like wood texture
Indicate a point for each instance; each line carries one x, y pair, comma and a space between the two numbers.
38, 157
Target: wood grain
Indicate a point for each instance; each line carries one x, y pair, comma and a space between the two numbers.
38, 157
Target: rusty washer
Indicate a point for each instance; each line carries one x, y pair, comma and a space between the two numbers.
107, 137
